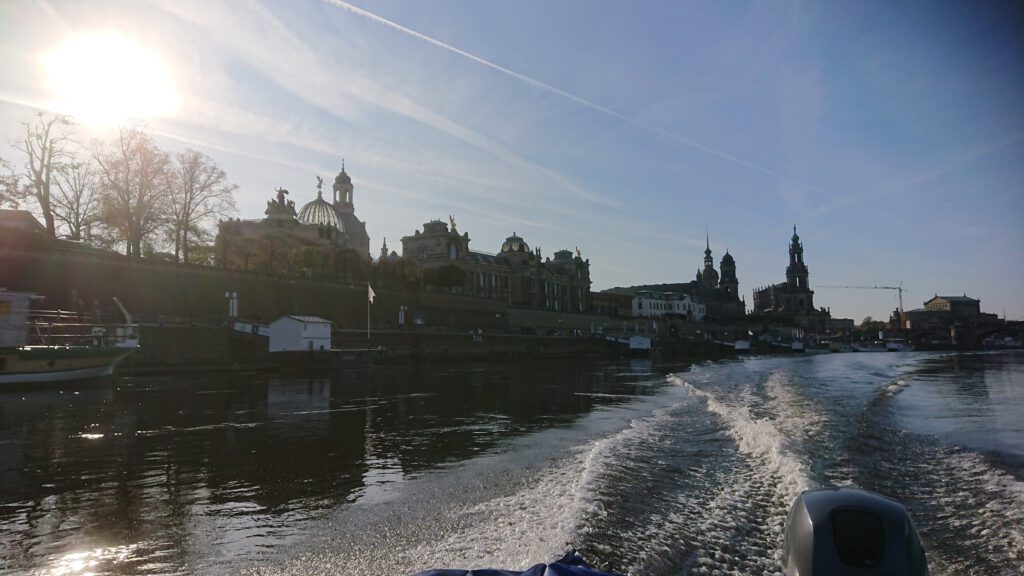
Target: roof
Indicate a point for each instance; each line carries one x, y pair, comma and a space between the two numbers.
305, 319
483, 257
963, 298
319, 212
20, 219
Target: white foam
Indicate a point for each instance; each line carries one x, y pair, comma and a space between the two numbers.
760, 438
895, 388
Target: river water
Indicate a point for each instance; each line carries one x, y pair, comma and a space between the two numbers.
657, 469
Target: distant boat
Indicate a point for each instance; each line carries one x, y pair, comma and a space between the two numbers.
839, 347
64, 348
819, 346
876, 346
741, 345
897, 345
636, 344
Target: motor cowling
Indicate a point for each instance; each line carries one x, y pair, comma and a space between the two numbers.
847, 531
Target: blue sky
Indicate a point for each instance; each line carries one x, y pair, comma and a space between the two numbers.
891, 134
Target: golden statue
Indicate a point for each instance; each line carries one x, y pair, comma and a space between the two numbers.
319, 184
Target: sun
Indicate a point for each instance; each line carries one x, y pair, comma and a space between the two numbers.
108, 78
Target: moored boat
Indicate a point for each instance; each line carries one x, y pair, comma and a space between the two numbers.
59, 348
898, 345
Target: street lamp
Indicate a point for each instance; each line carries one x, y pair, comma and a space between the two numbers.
232, 298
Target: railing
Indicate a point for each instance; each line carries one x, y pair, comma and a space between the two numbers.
62, 328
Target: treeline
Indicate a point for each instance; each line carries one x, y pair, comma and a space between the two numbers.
123, 193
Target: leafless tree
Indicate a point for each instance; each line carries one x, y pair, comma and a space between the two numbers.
75, 203
134, 182
10, 185
45, 148
200, 194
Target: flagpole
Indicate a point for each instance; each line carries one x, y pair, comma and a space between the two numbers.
369, 301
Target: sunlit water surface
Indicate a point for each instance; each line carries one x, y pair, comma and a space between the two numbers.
655, 469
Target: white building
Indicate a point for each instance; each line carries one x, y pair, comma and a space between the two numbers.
651, 304
299, 333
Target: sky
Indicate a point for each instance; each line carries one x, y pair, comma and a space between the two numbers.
890, 134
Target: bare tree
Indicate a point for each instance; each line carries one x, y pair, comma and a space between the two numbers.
10, 185
44, 145
75, 202
134, 180
200, 195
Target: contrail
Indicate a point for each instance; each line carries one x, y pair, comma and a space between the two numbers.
549, 88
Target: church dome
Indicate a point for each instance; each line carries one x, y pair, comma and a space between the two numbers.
728, 259
514, 244
319, 212
342, 178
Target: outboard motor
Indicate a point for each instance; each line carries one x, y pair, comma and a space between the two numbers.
845, 531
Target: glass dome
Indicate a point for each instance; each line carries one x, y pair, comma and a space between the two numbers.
321, 213
514, 244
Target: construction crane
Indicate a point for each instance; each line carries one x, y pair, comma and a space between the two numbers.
899, 290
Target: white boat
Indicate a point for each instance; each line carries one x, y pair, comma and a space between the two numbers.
60, 347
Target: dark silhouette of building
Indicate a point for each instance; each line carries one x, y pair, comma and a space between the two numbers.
322, 239
717, 293
792, 302
516, 275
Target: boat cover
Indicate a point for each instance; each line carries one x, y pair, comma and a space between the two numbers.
572, 564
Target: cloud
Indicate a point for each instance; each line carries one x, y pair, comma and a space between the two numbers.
311, 75
552, 89
931, 175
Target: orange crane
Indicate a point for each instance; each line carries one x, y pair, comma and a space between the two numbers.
899, 290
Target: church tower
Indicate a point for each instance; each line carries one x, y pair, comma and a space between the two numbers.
343, 206
343, 191
796, 272
729, 282
709, 275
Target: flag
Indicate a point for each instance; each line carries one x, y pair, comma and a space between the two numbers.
370, 293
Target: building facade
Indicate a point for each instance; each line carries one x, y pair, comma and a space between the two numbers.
711, 296
718, 293
792, 302
319, 236
957, 306
653, 304
940, 313
516, 275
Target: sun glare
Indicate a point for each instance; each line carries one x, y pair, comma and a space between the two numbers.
107, 78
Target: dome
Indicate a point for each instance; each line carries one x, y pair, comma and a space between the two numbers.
319, 212
342, 178
514, 244
728, 259
795, 238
